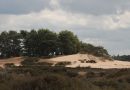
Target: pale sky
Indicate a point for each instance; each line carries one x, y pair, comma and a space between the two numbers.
99, 22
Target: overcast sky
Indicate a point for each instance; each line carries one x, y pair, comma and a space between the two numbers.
99, 22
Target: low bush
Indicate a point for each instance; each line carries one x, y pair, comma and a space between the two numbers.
128, 80
62, 63
91, 61
101, 74
118, 73
40, 77
44, 64
106, 83
72, 73
90, 74
9, 65
29, 61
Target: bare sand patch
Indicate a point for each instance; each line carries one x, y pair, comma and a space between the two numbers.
76, 61
100, 62
15, 60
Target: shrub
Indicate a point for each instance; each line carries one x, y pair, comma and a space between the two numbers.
83, 61
107, 83
91, 61
44, 64
45, 82
9, 65
120, 80
30, 61
72, 73
58, 69
90, 74
101, 74
62, 63
128, 80
118, 73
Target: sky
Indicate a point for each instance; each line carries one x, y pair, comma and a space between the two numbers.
100, 22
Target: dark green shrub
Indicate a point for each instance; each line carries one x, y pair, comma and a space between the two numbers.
44, 64
101, 74
9, 65
30, 61
118, 73
106, 83
62, 63
128, 79
120, 80
91, 61
72, 73
58, 69
90, 74
45, 82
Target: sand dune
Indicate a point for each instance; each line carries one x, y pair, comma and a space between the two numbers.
76, 61
15, 60
100, 62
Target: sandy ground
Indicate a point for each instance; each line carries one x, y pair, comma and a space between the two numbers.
74, 59
15, 60
101, 62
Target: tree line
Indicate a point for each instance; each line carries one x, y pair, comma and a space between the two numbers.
43, 42
122, 57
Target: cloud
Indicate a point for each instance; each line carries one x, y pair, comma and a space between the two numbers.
94, 41
95, 7
105, 23
57, 18
53, 11
113, 41
54, 4
22, 6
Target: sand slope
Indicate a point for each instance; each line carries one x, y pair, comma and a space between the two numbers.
101, 62
15, 60
74, 59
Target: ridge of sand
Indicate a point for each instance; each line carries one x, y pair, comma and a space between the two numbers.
15, 60
101, 62
74, 59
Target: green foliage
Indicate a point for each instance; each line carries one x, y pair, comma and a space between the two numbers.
9, 44
94, 50
43, 42
69, 42
122, 57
